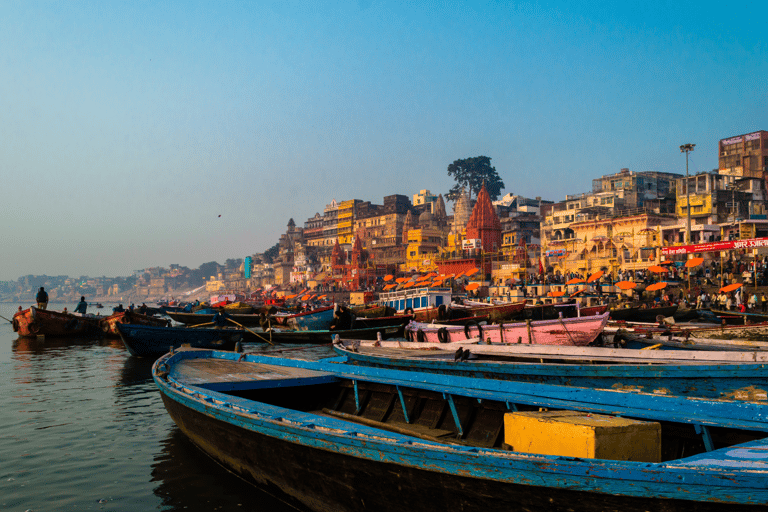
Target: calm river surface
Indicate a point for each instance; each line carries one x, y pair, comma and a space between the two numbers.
82, 427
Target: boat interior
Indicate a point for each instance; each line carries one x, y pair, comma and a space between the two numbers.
451, 419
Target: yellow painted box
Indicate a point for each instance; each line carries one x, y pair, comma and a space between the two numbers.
584, 435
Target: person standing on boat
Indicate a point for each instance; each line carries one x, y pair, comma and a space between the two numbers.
81, 306
220, 319
42, 299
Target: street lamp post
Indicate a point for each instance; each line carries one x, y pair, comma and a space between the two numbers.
687, 148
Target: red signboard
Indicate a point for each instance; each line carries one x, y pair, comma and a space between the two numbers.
728, 245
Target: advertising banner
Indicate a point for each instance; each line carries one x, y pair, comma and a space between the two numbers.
727, 245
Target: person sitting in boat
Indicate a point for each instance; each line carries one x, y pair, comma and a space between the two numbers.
187, 308
342, 318
81, 306
42, 299
143, 309
220, 319
118, 309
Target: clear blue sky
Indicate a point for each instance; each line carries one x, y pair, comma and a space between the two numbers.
127, 128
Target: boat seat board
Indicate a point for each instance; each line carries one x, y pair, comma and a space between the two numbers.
228, 375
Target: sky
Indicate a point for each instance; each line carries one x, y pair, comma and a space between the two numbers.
137, 134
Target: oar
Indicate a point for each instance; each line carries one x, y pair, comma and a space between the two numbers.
1, 316
252, 332
199, 325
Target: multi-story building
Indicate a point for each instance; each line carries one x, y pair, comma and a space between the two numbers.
719, 202
346, 220
330, 224
425, 198
313, 231
380, 228
744, 155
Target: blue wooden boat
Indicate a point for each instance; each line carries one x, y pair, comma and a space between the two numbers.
153, 341
314, 320
329, 436
686, 373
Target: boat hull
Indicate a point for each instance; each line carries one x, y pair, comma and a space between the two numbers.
326, 464
313, 477
109, 324
153, 341
33, 322
577, 331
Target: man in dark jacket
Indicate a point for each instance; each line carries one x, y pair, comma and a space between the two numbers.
42, 299
81, 306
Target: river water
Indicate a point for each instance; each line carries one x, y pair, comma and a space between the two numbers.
82, 427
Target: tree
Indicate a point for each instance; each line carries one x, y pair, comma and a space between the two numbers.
471, 173
270, 255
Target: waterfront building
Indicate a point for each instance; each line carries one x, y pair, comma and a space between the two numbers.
330, 223
346, 220
609, 243
381, 230
313, 231
285, 259
424, 238
744, 155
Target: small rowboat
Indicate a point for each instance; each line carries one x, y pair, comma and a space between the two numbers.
578, 331
33, 322
724, 375
109, 324
153, 341
331, 436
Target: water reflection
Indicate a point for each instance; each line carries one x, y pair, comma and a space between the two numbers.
187, 479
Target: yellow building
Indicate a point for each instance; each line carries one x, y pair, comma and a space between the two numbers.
345, 226
611, 244
423, 245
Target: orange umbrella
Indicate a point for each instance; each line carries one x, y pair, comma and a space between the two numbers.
594, 277
389, 286
575, 280
291, 296
556, 294
472, 286
306, 297
730, 287
656, 286
401, 279
408, 284
471, 271
321, 297
658, 269
388, 277
626, 285
577, 292
694, 262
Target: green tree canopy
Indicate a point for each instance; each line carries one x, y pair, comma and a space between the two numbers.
271, 254
470, 173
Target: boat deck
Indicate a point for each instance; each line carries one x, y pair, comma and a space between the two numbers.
227, 375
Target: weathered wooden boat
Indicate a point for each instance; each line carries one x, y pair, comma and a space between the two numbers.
749, 332
153, 341
251, 320
109, 323
33, 322
739, 318
687, 373
373, 311
327, 436
361, 322
316, 319
642, 314
689, 341
578, 331
277, 335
